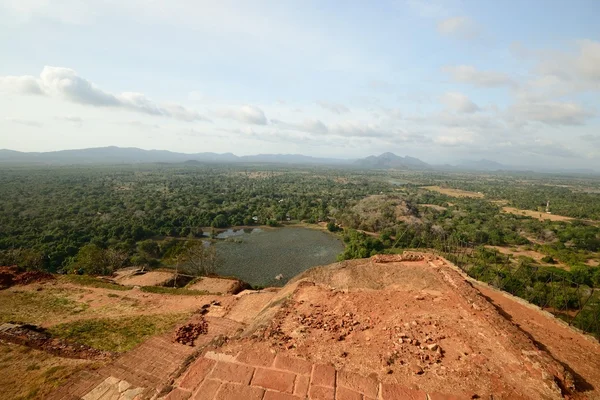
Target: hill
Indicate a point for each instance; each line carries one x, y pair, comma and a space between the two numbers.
390, 327
392, 161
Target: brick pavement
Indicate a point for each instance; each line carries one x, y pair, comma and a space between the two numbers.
252, 374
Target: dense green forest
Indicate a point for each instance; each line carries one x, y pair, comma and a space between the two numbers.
57, 218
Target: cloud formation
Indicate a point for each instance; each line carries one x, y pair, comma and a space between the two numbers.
245, 114
458, 102
26, 122
469, 74
550, 113
334, 107
66, 84
461, 27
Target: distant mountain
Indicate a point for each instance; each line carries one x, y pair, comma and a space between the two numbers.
391, 161
132, 155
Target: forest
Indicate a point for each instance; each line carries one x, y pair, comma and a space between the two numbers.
97, 218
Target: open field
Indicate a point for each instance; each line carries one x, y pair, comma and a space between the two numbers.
520, 251
454, 192
535, 214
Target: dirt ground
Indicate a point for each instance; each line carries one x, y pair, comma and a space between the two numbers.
152, 278
79, 303
535, 214
433, 206
216, 285
577, 352
415, 323
454, 192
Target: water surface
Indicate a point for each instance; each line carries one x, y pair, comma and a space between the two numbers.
258, 256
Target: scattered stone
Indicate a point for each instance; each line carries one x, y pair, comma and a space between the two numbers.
433, 347
417, 370
188, 333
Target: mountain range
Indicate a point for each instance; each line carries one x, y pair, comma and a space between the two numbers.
133, 155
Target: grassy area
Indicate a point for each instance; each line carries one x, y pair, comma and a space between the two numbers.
117, 334
175, 291
32, 374
91, 281
37, 307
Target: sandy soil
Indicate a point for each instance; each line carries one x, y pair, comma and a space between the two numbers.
152, 278
216, 285
416, 323
248, 306
535, 214
577, 352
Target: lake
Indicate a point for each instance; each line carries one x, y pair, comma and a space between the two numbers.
257, 256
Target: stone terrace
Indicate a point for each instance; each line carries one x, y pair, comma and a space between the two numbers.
262, 375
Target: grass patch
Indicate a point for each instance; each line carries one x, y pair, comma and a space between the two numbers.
37, 307
33, 374
175, 291
91, 281
117, 334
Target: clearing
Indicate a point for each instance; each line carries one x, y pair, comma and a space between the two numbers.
535, 214
454, 192
522, 251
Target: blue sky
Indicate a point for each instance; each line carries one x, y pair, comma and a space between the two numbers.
516, 82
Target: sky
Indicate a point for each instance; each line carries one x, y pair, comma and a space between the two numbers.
516, 82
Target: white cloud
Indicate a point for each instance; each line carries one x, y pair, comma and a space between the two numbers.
550, 148
459, 102
314, 126
588, 61
461, 27
454, 139
469, 74
590, 138
334, 107
26, 122
66, 84
25, 84
550, 113
246, 114
359, 129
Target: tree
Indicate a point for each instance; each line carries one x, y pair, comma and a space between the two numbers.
220, 221
198, 259
91, 260
149, 248
332, 227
